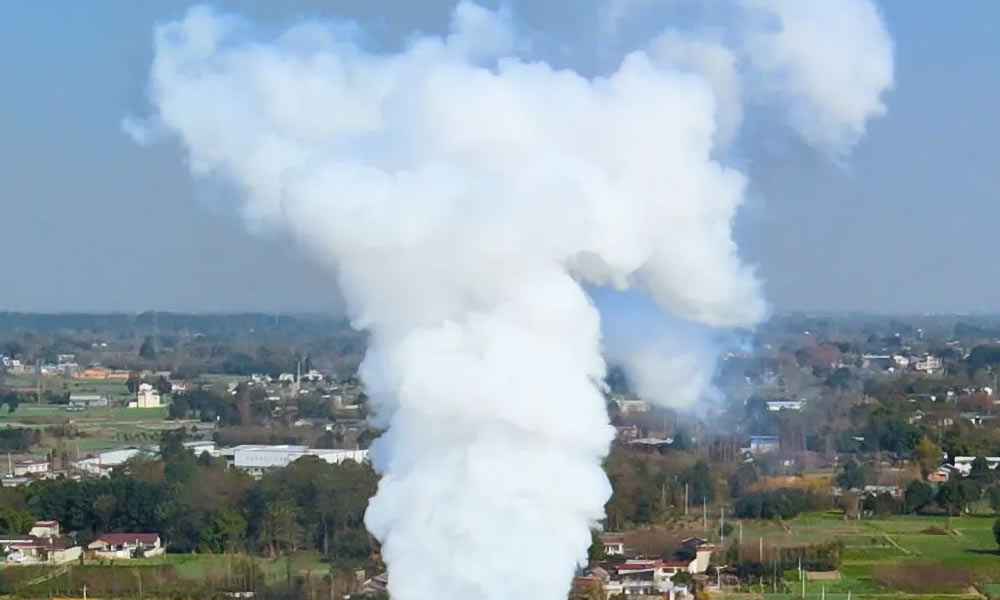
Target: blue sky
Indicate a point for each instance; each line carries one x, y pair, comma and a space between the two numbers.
90, 221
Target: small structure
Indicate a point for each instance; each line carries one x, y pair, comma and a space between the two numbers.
941, 475
651, 576
45, 529
614, 544
126, 545
88, 400
764, 444
30, 467
102, 463
33, 550
631, 407
778, 405
146, 397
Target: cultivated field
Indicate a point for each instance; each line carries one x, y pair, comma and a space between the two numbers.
898, 556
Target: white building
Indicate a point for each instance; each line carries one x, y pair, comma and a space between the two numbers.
45, 529
101, 464
30, 466
146, 397
87, 400
928, 364
963, 464
628, 407
126, 545
614, 544
776, 405
258, 459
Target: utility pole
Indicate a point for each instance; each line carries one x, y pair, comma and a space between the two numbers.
704, 513
760, 549
722, 528
685, 499
802, 577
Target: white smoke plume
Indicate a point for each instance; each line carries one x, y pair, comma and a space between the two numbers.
464, 196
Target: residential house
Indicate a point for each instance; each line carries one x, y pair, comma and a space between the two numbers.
29, 467
49, 550
651, 576
614, 544
126, 545
928, 364
45, 529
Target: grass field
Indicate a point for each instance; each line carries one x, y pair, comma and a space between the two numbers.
952, 557
169, 576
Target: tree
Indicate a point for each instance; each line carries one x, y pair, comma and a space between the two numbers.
993, 497
132, 383
928, 455
851, 475
699, 481
224, 532
980, 471
596, 551
15, 520
162, 385
918, 494
12, 400
279, 529
955, 496
146, 350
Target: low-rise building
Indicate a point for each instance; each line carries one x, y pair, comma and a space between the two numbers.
88, 400
126, 545
259, 459
764, 444
776, 405
50, 550
101, 463
614, 544
45, 529
30, 467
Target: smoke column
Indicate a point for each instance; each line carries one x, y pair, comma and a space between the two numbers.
464, 196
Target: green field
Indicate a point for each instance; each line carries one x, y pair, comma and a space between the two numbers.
91, 429
894, 556
168, 576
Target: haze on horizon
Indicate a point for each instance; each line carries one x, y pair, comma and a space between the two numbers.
90, 221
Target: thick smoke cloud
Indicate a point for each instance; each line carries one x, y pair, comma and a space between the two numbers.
464, 196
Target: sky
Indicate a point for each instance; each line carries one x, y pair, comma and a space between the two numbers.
90, 221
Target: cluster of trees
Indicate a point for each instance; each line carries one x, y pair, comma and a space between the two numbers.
645, 485
18, 439
197, 504
825, 556
247, 406
784, 503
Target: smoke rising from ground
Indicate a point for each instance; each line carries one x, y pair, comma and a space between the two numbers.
464, 196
